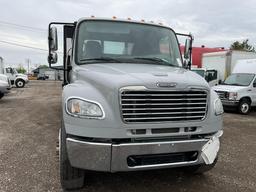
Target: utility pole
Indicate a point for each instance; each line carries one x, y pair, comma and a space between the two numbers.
28, 62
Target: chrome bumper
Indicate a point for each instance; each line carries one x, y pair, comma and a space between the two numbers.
231, 103
113, 157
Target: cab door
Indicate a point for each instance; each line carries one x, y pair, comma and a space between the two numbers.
253, 96
212, 77
9, 72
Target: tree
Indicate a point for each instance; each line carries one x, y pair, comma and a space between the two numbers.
242, 46
43, 66
21, 70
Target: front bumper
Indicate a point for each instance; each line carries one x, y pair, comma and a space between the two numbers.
231, 103
114, 157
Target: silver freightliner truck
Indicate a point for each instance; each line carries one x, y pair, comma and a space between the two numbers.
130, 101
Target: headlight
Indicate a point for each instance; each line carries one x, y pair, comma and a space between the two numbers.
79, 107
232, 95
218, 107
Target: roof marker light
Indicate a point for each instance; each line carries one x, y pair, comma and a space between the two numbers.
92, 16
114, 17
142, 20
129, 19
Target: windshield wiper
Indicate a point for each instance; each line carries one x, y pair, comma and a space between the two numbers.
157, 60
108, 59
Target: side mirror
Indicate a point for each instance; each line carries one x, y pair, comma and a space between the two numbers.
53, 39
187, 49
254, 84
53, 58
220, 82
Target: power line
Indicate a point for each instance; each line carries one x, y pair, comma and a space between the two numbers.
25, 46
20, 45
23, 26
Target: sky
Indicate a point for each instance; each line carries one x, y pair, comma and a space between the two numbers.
215, 23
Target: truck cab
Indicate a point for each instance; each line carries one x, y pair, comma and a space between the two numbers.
210, 75
17, 79
239, 89
130, 102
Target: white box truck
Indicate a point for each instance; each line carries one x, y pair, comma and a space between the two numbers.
224, 61
239, 89
17, 79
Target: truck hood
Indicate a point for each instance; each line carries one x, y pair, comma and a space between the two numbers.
20, 74
117, 75
228, 88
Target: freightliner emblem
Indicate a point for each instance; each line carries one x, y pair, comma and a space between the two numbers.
166, 84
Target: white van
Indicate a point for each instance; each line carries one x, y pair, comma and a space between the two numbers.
5, 85
239, 89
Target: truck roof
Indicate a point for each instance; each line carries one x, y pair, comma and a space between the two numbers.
245, 66
226, 52
124, 20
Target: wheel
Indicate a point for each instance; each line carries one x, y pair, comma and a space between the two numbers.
244, 106
200, 169
20, 83
70, 177
1, 95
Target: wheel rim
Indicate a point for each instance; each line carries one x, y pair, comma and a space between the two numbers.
244, 107
20, 83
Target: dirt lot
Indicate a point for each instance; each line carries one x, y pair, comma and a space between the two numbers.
29, 122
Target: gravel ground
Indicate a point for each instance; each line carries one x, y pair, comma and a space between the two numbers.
29, 122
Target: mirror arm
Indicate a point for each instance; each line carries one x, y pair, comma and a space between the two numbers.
190, 48
49, 38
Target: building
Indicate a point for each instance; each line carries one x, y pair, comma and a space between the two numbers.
52, 74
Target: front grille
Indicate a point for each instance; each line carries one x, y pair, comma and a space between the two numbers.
222, 94
158, 106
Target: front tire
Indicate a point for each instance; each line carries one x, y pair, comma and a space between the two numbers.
20, 83
70, 177
244, 106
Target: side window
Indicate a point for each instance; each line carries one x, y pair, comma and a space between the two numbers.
8, 70
211, 75
254, 83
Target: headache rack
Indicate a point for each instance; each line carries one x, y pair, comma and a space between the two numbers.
139, 106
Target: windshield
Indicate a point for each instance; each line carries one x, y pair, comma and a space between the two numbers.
15, 71
239, 79
199, 72
107, 41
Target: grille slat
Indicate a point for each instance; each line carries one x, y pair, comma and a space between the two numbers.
160, 99
168, 113
174, 108
152, 104
158, 106
222, 94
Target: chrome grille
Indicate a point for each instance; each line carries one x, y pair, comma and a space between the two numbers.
159, 106
222, 94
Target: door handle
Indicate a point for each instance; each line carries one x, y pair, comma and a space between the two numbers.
249, 90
